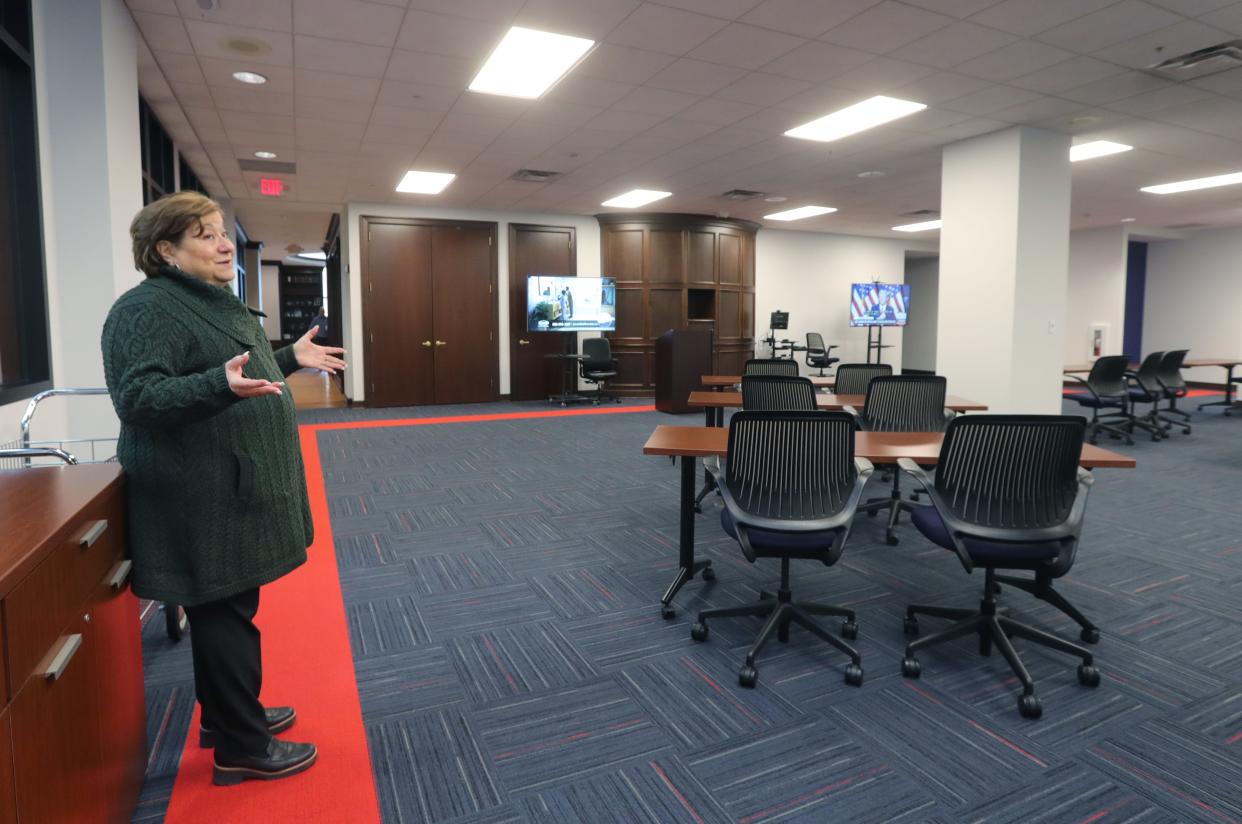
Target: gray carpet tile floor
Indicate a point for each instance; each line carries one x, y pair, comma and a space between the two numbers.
501, 581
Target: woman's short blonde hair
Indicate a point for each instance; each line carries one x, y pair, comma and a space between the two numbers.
168, 218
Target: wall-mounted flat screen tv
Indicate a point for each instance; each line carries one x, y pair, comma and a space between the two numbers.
560, 303
879, 304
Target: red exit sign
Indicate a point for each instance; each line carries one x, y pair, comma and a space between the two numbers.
271, 187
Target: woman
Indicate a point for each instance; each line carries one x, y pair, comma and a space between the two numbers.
214, 478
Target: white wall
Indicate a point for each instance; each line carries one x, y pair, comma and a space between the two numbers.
270, 295
586, 242
808, 274
1194, 298
919, 337
1096, 292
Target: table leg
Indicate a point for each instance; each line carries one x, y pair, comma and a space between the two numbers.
715, 417
686, 565
1228, 401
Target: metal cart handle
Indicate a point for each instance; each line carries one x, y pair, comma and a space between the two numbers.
38, 452
28, 415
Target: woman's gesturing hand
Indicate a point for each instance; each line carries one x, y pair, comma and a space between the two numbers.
245, 387
311, 355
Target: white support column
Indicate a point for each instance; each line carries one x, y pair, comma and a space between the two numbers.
1004, 252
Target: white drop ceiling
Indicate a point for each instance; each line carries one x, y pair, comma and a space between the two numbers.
687, 96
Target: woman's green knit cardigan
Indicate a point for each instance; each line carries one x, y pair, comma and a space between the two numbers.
215, 486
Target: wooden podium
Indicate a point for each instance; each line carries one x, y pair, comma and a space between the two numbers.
682, 358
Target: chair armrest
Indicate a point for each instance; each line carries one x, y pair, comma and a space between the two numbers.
713, 467
917, 472
949, 415
1085, 478
863, 466
1083, 381
908, 466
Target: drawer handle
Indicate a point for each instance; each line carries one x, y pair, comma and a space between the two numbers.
68, 648
120, 574
91, 535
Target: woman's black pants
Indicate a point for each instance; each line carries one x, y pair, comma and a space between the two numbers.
228, 672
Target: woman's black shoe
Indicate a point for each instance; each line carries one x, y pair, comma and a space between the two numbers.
282, 759
278, 719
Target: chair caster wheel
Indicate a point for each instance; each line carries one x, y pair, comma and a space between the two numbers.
699, 631
748, 677
1091, 635
911, 625
910, 667
849, 629
1029, 706
709, 574
892, 540
1088, 675
854, 675
667, 612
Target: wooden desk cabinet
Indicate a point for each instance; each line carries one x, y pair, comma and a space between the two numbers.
72, 730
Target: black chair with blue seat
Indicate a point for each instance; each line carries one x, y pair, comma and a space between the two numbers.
790, 486
1174, 385
901, 403
1107, 388
1008, 494
853, 378
1145, 387
598, 366
818, 356
771, 366
777, 393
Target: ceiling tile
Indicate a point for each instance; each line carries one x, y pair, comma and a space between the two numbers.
1037, 110
1026, 18
481, 126
1074, 72
435, 69
746, 46
337, 56
695, 77
616, 120
492, 105
259, 14
194, 95
1229, 18
1217, 116
763, 89
351, 20
500, 11
957, 8
155, 6
1150, 49
563, 115
1113, 88
1015, 60
212, 40
417, 95
180, 68
220, 73
255, 101
347, 111
820, 100
406, 118
649, 100
337, 86
661, 29
1229, 83
591, 91
817, 62
163, 33
1193, 8
580, 18
622, 64
955, 44
885, 27
719, 112
1114, 24
1153, 101
940, 86
992, 99
450, 35
806, 18
239, 135
883, 75
404, 135
728, 9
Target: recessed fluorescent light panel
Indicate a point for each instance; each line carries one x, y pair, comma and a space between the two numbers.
253, 78
424, 183
636, 198
800, 213
527, 62
868, 114
1096, 148
925, 226
1197, 183
265, 155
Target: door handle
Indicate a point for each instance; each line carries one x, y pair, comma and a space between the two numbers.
523, 342
441, 343
427, 343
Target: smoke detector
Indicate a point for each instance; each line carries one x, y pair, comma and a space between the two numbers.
245, 46
1212, 60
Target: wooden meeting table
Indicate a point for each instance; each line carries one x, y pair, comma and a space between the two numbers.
1228, 364
719, 382
714, 403
881, 448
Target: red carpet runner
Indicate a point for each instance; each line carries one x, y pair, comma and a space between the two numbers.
306, 663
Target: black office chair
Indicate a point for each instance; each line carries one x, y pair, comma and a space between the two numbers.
597, 366
1170, 377
790, 486
901, 403
771, 366
777, 393
1008, 494
1106, 389
852, 378
817, 355
1145, 387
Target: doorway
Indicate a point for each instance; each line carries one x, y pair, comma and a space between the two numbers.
543, 250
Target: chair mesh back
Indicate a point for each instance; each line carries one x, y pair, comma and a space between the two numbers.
1171, 369
777, 393
905, 403
1148, 375
852, 378
771, 366
1011, 471
814, 343
791, 465
1108, 375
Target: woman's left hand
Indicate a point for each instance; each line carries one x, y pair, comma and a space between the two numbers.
311, 355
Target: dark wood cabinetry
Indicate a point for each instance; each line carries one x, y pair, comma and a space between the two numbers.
72, 731
678, 272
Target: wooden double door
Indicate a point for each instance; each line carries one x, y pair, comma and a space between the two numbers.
429, 311
537, 250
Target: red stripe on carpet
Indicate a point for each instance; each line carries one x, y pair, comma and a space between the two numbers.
491, 416
307, 662
1190, 393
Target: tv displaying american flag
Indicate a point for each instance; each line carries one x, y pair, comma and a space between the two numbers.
879, 304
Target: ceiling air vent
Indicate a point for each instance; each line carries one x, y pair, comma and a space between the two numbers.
1201, 63
535, 176
920, 213
276, 167
741, 194
1185, 227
